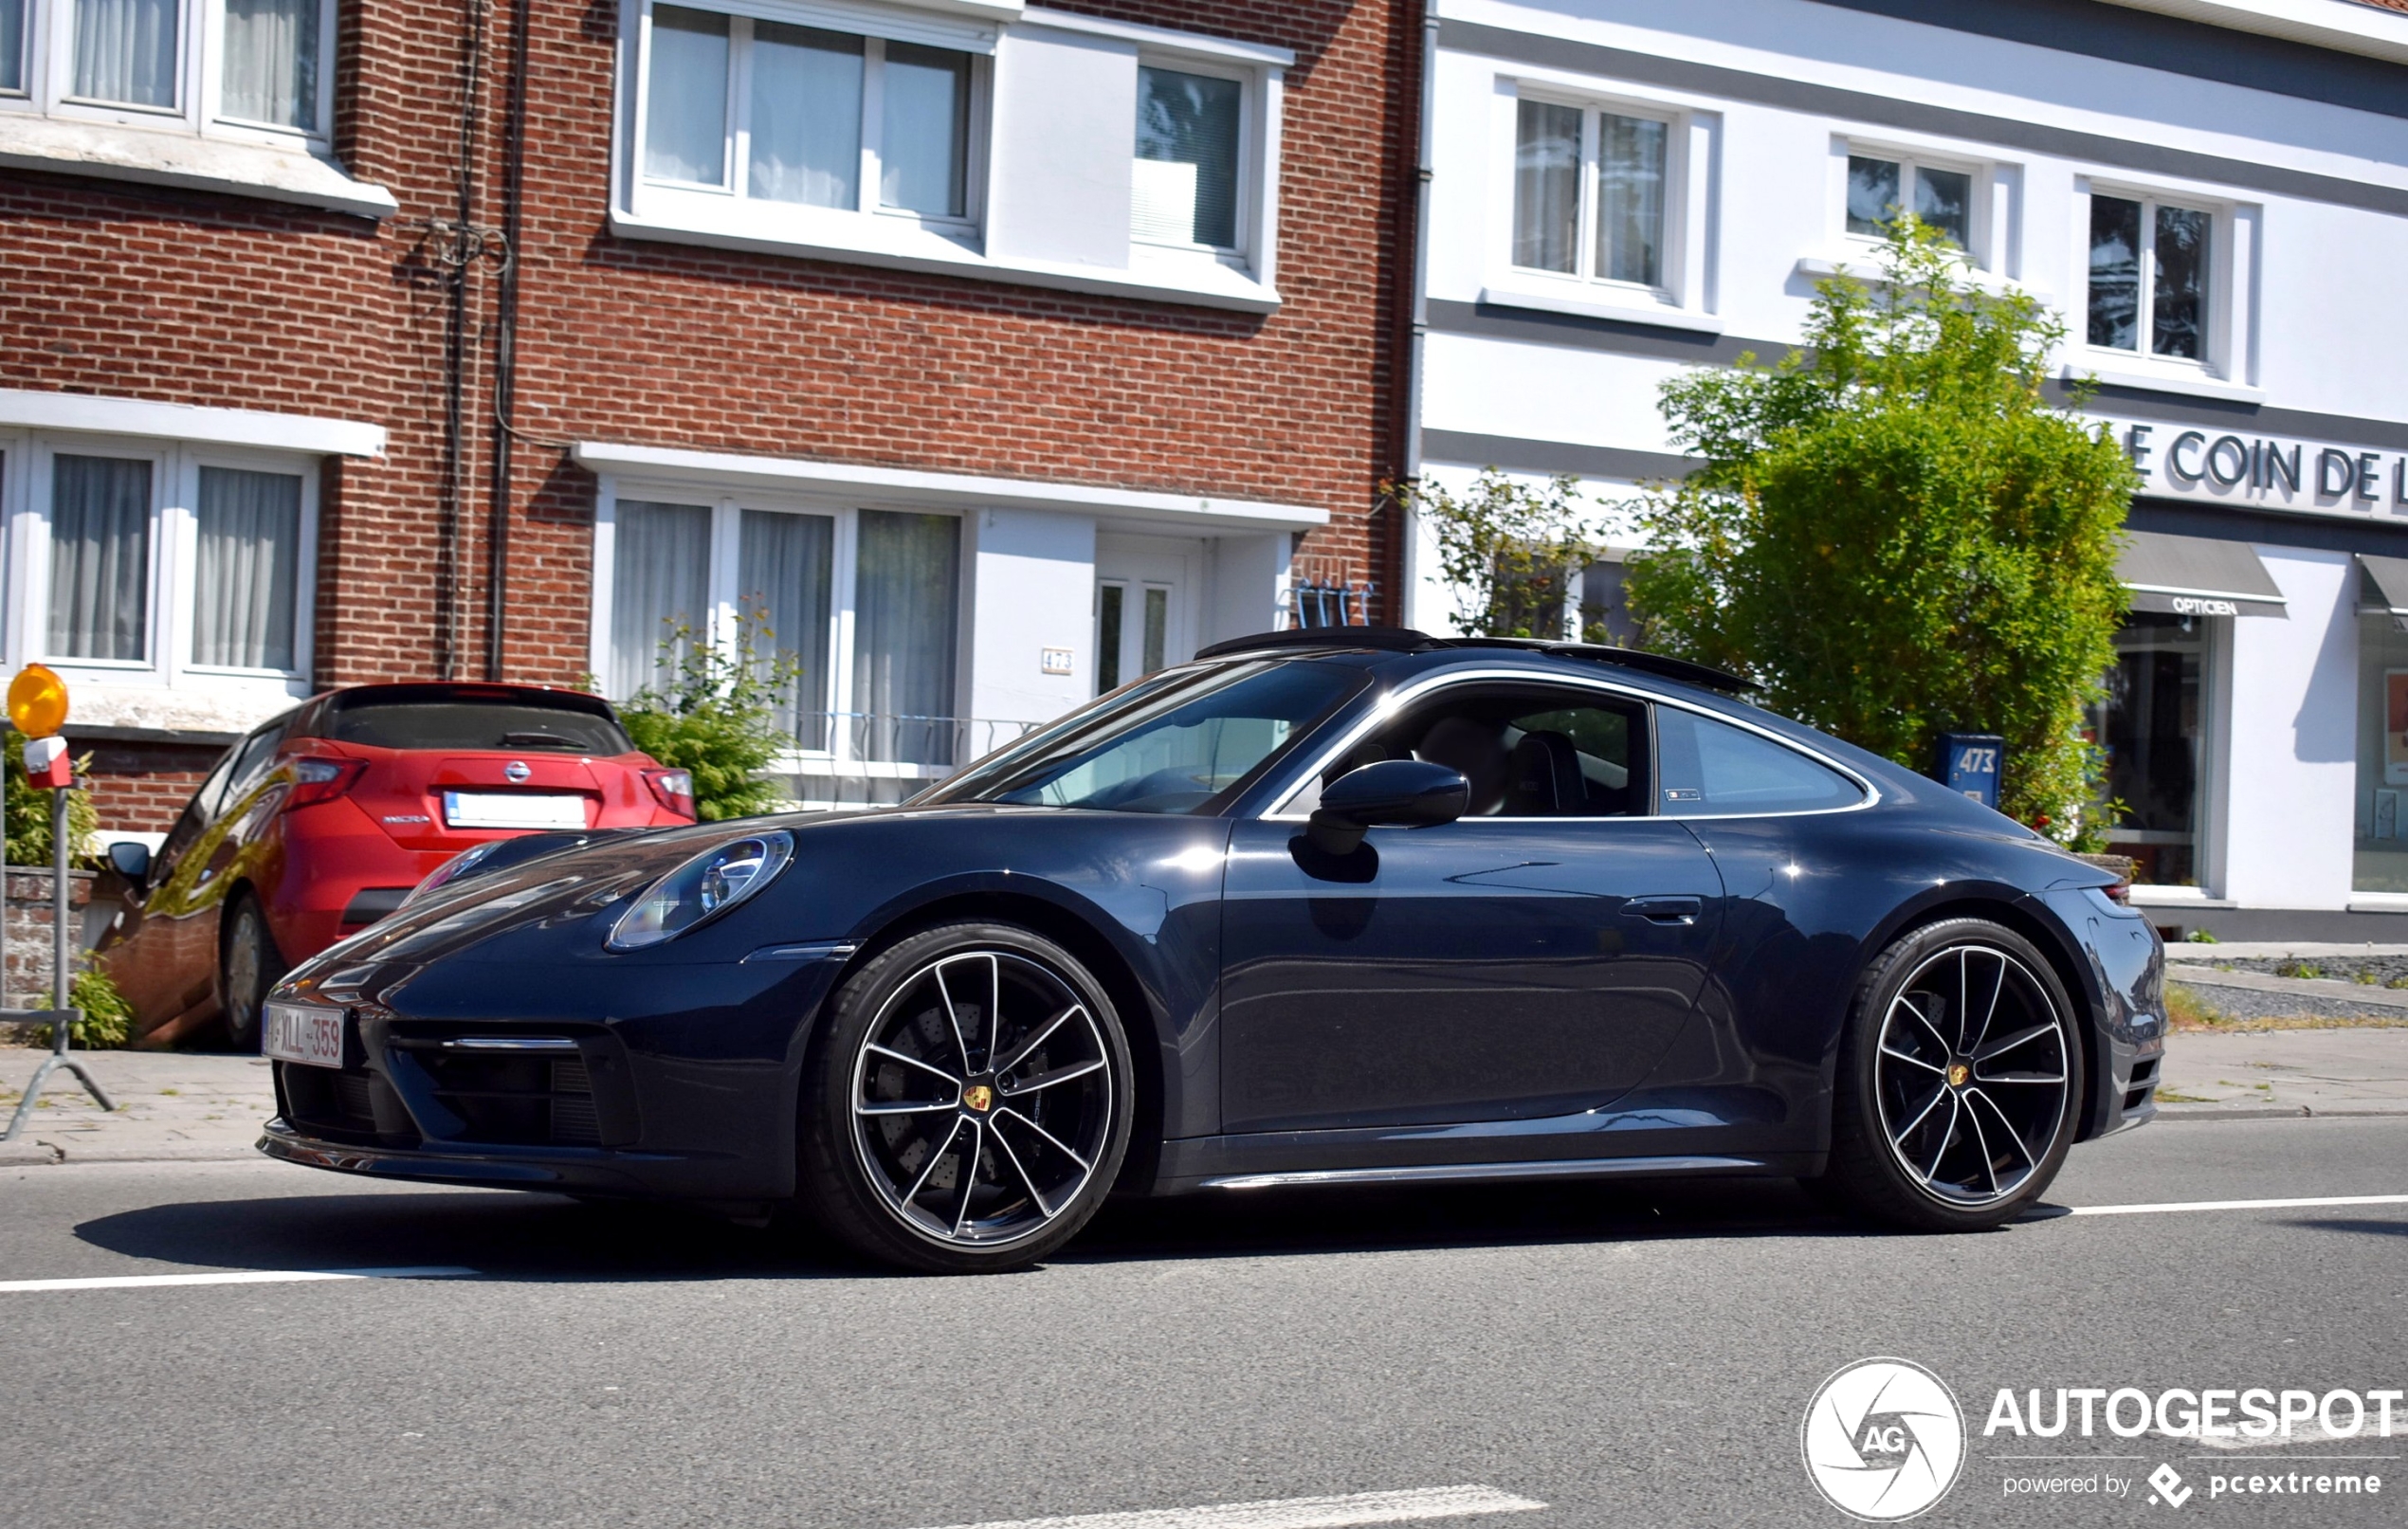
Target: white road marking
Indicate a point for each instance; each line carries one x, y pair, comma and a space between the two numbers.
2236, 1205
1296, 1512
142, 1282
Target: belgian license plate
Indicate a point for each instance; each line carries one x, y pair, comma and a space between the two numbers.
512, 809
307, 1033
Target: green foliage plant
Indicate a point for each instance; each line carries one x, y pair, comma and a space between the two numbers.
1508, 550
27, 813
713, 713
1897, 533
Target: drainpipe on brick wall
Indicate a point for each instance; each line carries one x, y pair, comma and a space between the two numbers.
1407, 536
465, 245
505, 339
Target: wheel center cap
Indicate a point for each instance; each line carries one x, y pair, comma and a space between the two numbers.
1958, 1073
978, 1096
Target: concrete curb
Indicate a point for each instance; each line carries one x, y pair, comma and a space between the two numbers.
2276, 1112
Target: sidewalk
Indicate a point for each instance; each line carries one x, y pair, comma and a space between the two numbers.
188, 1107
173, 1105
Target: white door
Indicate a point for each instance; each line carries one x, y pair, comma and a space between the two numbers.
1145, 606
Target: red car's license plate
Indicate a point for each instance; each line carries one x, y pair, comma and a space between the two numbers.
306, 1033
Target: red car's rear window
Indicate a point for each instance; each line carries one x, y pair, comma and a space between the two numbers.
432, 719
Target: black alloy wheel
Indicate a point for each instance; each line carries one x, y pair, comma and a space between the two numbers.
1959, 1080
967, 1105
248, 967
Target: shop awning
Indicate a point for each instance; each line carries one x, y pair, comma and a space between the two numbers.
2196, 576
2384, 588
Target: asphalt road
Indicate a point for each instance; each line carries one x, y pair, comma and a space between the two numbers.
1623, 1354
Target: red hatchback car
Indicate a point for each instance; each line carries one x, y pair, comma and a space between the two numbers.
319, 824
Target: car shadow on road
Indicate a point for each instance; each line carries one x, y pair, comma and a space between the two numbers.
544, 1237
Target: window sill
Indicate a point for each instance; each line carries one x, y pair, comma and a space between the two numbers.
1162, 275
2379, 903
181, 159
1588, 305
2147, 896
2189, 384
1864, 266
210, 705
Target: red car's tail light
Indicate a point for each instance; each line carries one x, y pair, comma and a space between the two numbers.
321, 780
675, 787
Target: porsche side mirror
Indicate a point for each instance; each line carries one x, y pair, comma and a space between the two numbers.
131, 861
1407, 792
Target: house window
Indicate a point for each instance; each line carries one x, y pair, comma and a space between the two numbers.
854, 612
155, 562
768, 112
253, 66
1882, 188
1591, 190
1185, 190
2149, 276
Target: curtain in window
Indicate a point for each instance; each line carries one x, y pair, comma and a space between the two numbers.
786, 560
805, 125
272, 61
1546, 185
904, 600
686, 85
660, 580
924, 130
12, 45
1186, 176
1631, 199
99, 558
125, 51
250, 559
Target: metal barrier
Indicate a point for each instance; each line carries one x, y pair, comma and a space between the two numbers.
60, 1016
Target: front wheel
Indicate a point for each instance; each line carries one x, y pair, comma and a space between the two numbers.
249, 966
1959, 1080
967, 1102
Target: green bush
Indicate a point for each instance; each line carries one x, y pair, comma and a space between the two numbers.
716, 716
1507, 551
27, 813
1895, 531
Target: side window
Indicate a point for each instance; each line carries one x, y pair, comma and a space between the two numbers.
1528, 751
251, 758
198, 812
1712, 769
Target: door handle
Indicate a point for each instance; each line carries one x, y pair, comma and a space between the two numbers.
1665, 910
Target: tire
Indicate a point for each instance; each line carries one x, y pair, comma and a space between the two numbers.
1968, 1018
926, 1142
249, 966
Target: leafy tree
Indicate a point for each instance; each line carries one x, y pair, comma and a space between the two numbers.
716, 716
1507, 550
1896, 534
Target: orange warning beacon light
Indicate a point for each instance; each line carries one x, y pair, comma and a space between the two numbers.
38, 708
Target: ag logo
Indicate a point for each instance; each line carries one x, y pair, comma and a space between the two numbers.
1883, 1440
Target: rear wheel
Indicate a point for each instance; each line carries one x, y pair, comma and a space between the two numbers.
1959, 1080
249, 966
967, 1104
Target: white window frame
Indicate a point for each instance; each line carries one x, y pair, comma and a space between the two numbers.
1984, 217
200, 80
667, 197
727, 614
1685, 296
175, 469
1248, 187
2225, 343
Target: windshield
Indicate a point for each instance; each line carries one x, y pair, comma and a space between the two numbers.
1173, 743
411, 718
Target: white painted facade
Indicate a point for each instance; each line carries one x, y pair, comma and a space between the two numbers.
2281, 128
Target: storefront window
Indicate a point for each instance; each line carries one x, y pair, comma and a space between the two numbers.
2152, 727
2381, 861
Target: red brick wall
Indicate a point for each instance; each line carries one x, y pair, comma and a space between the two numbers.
194, 297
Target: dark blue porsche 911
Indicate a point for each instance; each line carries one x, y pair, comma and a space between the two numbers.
1342, 906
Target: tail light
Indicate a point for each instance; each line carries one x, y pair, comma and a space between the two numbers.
2121, 891
321, 780
674, 788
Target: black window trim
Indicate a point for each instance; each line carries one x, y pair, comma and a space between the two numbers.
1386, 710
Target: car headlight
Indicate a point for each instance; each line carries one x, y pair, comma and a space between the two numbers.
701, 890
451, 870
